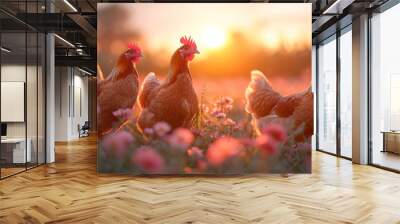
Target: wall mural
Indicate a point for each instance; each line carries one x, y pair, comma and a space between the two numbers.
204, 88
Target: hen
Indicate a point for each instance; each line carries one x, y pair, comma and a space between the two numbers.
119, 89
174, 101
266, 105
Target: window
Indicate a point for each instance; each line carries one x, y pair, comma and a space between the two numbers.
327, 96
385, 89
346, 93
314, 87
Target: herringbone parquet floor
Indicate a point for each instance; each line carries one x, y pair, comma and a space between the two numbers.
70, 191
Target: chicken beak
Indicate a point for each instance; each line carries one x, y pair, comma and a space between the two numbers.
197, 52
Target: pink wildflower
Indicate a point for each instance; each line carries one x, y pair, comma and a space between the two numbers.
229, 107
195, 151
227, 100
147, 159
276, 131
247, 142
181, 138
123, 113
266, 144
162, 128
229, 122
187, 169
215, 112
149, 131
201, 165
220, 115
117, 143
222, 149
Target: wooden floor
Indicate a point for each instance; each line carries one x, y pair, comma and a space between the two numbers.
70, 191
387, 159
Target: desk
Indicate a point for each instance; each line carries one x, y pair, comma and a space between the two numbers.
15, 148
391, 141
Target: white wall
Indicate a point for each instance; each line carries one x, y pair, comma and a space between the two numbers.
33, 127
61, 103
12, 73
71, 94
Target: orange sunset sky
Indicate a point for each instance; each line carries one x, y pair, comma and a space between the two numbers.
233, 39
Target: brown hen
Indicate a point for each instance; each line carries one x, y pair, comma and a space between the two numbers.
119, 90
174, 101
266, 105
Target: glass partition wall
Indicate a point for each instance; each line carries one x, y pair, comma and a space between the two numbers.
345, 92
22, 94
334, 94
385, 89
327, 96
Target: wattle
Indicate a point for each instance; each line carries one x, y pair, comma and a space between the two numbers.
190, 57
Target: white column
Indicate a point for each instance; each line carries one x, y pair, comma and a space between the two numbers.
360, 89
50, 92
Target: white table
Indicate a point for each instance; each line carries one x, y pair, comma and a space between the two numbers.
18, 148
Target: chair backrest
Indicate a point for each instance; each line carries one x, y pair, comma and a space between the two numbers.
86, 124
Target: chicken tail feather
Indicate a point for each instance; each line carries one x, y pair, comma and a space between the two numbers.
149, 84
260, 97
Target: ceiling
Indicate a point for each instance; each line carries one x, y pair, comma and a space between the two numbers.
75, 21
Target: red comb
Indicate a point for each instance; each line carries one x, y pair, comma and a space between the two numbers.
188, 42
133, 46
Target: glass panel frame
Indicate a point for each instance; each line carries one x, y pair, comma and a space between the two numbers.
26, 57
326, 108
383, 70
340, 60
14, 73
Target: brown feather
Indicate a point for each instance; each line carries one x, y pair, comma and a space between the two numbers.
260, 96
267, 105
287, 104
148, 89
118, 90
174, 101
304, 113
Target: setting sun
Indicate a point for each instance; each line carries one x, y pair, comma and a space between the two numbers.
213, 37
271, 39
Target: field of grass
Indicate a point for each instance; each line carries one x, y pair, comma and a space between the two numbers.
223, 140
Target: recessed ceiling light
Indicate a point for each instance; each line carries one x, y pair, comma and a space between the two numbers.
5, 50
338, 6
84, 71
70, 5
64, 40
